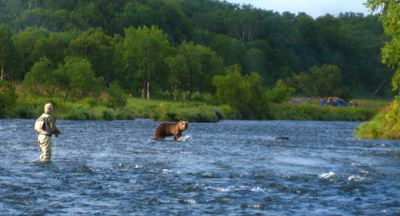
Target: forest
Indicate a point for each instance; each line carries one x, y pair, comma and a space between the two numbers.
186, 50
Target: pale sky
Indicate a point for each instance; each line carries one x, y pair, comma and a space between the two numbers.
314, 8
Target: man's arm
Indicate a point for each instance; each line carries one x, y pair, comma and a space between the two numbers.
53, 128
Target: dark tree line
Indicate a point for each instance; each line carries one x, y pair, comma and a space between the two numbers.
149, 47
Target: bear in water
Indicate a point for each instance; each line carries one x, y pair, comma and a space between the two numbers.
170, 129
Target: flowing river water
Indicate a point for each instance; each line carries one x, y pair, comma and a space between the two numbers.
225, 168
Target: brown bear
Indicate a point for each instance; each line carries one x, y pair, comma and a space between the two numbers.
170, 129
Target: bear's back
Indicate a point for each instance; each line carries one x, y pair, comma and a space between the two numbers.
166, 129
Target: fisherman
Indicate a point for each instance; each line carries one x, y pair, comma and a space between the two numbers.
45, 125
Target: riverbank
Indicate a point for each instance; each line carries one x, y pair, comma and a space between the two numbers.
385, 125
162, 110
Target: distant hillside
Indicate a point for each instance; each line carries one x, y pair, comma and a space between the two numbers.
274, 45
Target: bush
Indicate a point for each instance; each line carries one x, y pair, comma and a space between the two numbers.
91, 102
125, 114
79, 113
280, 93
26, 111
244, 93
116, 96
322, 113
102, 113
8, 96
193, 114
384, 126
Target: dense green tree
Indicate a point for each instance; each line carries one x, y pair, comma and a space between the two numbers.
141, 56
244, 93
199, 65
8, 97
98, 48
54, 47
390, 16
319, 81
39, 79
280, 93
275, 45
25, 41
177, 68
8, 55
229, 49
116, 96
76, 78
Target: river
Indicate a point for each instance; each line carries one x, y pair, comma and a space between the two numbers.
224, 168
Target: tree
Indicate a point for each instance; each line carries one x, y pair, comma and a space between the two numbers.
231, 50
177, 67
390, 16
116, 96
280, 93
8, 54
54, 47
8, 97
25, 42
76, 78
98, 48
39, 78
197, 66
244, 93
141, 56
319, 81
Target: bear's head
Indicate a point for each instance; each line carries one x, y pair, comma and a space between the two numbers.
183, 125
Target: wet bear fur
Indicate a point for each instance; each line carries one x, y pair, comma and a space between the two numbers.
170, 129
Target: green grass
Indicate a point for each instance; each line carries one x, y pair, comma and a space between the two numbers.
163, 110
286, 111
385, 125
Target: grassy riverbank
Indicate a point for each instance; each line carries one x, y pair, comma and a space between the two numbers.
91, 109
161, 110
385, 125
321, 113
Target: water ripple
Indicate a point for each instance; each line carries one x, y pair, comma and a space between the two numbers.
225, 168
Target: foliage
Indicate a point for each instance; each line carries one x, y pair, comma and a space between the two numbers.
116, 96
385, 125
97, 47
25, 42
174, 111
140, 57
191, 64
76, 78
175, 48
319, 81
280, 93
8, 55
286, 111
390, 16
38, 79
274, 45
8, 96
244, 93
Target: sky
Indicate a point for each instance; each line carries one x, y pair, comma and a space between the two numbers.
314, 8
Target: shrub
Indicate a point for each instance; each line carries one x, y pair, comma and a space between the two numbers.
384, 126
322, 113
125, 114
8, 96
26, 111
280, 93
244, 93
103, 113
79, 113
116, 96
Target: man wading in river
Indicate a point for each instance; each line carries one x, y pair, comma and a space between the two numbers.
45, 125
